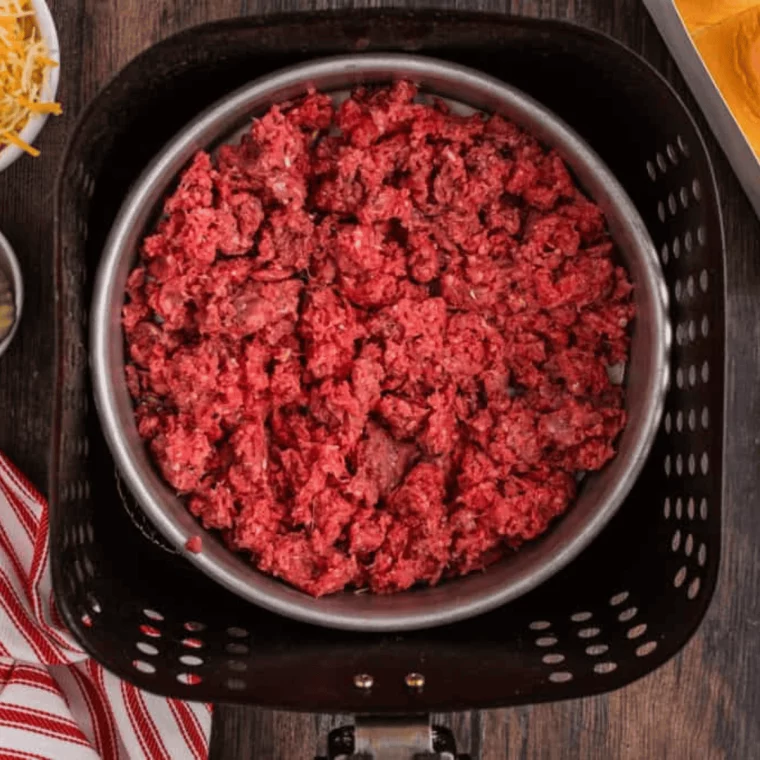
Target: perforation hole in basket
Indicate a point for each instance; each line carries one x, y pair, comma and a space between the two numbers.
701, 235
679, 508
546, 641
581, 617
144, 667
553, 658
705, 371
236, 684
692, 420
682, 146
153, 615
189, 679
146, 648
661, 162
651, 171
235, 647
678, 290
680, 576
238, 633
627, 614
680, 378
605, 667
636, 631
619, 598
688, 547
702, 555
679, 464
696, 190
86, 620
151, 631
672, 204
539, 625
675, 542
693, 588
704, 463
596, 650
668, 465
666, 508
239, 666
668, 422
589, 633
194, 627
683, 195
560, 676
690, 508
191, 660
692, 330
705, 418
672, 155
688, 242
679, 421
661, 211
691, 464
646, 648
703, 509
94, 604
664, 251
192, 643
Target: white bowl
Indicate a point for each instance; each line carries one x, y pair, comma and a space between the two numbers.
46, 25
10, 268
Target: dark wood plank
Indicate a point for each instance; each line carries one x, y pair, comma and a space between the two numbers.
706, 702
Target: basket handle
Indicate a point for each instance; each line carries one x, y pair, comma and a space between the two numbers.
406, 737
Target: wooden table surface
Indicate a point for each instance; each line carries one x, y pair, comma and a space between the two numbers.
705, 703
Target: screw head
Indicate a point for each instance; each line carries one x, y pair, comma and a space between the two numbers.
363, 681
415, 680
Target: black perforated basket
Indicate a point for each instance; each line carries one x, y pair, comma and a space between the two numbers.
626, 605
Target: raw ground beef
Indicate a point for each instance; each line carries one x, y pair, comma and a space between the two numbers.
371, 344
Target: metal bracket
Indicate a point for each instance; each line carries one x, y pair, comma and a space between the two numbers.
392, 738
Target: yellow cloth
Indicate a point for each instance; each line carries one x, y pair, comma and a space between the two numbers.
727, 35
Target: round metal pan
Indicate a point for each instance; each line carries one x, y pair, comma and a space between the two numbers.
601, 494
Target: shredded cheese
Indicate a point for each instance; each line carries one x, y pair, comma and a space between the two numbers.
24, 69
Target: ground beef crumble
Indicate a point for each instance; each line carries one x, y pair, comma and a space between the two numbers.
371, 344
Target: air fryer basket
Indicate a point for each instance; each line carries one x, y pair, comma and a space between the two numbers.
626, 605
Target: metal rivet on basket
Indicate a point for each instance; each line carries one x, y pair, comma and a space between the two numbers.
415, 681
364, 681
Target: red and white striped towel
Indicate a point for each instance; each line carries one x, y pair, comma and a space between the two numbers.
55, 702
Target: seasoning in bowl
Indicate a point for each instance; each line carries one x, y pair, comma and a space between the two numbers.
25, 66
372, 344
